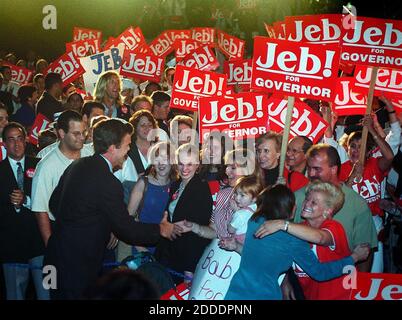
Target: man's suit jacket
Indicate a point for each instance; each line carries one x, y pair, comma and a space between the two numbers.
20, 239
88, 205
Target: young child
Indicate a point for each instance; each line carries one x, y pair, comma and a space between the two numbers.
244, 204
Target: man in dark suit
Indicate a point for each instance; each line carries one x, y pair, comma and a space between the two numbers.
88, 205
20, 240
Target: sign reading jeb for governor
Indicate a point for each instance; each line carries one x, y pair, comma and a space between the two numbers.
374, 42
190, 84
241, 116
299, 69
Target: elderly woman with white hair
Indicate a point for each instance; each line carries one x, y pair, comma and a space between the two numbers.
326, 236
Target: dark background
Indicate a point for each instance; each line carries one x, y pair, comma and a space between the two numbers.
21, 20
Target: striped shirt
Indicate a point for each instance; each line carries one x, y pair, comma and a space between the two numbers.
222, 215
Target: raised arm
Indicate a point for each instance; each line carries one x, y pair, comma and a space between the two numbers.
301, 231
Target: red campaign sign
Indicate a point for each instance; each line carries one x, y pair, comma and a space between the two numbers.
190, 84
231, 47
239, 73
163, 44
142, 66
181, 292
280, 30
322, 28
86, 34
133, 39
84, 48
347, 101
183, 47
68, 65
377, 286
397, 103
347, 68
374, 42
41, 123
20, 75
305, 122
388, 82
202, 58
241, 116
299, 69
270, 31
204, 35
109, 43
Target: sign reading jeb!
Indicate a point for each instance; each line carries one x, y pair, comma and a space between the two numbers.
204, 35
163, 44
101, 62
83, 48
231, 47
41, 123
375, 42
299, 69
239, 73
202, 58
185, 46
19, 74
133, 39
347, 101
377, 286
243, 116
68, 66
388, 82
190, 84
86, 34
323, 28
142, 66
305, 122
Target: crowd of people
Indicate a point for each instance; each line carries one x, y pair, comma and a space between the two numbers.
122, 174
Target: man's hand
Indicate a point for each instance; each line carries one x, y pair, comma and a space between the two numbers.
361, 252
169, 230
17, 198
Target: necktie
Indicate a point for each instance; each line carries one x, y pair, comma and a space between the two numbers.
20, 176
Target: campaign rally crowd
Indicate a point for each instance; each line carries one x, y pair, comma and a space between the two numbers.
108, 165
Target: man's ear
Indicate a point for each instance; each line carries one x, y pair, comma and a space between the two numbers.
60, 133
85, 120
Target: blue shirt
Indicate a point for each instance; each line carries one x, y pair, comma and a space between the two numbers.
263, 260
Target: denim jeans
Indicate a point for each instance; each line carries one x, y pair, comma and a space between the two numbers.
16, 278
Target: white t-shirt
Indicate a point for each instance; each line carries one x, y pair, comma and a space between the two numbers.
240, 218
47, 175
87, 150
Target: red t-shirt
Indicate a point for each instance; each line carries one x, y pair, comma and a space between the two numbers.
332, 289
297, 179
370, 186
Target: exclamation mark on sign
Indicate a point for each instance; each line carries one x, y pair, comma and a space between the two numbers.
328, 63
209, 55
259, 112
240, 49
220, 86
71, 55
158, 72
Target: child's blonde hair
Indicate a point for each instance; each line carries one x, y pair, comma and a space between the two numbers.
250, 185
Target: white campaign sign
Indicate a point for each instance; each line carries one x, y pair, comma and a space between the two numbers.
95, 65
214, 272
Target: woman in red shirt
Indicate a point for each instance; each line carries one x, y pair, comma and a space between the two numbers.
327, 237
